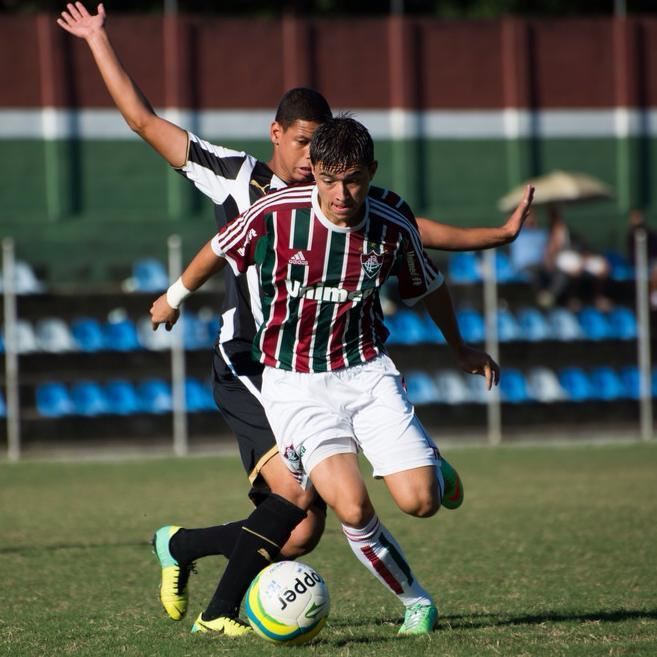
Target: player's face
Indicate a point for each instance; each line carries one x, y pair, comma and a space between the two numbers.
291, 158
342, 194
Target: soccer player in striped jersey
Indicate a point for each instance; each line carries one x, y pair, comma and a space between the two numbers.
233, 180
322, 253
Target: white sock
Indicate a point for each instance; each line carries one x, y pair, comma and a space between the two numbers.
375, 547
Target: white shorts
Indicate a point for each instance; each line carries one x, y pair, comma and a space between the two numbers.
364, 407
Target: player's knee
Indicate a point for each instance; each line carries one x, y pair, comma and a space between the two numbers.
355, 514
423, 504
306, 536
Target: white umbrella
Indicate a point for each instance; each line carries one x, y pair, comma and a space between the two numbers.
558, 187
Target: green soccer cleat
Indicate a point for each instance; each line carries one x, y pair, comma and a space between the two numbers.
223, 625
174, 576
419, 619
453, 496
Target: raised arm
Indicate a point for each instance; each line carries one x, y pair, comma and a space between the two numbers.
453, 238
168, 139
439, 306
204, 264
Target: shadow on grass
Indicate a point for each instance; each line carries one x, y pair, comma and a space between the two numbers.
475, 621
28, 549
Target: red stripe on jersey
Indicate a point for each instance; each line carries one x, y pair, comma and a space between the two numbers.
279, 307
309, 308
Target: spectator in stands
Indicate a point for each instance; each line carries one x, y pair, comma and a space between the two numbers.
637, 223
573, 273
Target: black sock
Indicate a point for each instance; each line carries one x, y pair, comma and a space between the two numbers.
262, 536
187, 545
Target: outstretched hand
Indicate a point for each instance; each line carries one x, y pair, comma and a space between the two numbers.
79, 22
515, 222
473, 361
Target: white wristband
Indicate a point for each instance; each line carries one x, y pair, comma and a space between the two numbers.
177, 293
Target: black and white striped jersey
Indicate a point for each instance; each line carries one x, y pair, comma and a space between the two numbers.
234, 180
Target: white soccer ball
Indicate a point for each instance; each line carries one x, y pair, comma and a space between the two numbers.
288, 602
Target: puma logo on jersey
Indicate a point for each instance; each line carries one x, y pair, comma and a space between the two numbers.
249, 236
263, 189
298, 259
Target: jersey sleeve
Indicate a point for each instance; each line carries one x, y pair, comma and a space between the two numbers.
213, 169
238, 239
418, 276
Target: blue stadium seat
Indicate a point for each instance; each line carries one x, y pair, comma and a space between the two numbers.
25, 280
606, 384
564, 325
533, 325
451, 387
88, 333
421, 388
622, 323
513, 387
26, 341
471, 324
406, 327
149, 275
195, 332
463, 268
54, 336
198, 396
543, 385
88, 399
508, 329
620, 268
159, 340
478, 393
576, 384
629, 377
155, 396
594, 324
122, 398
53, 400
121, 335
3, 406
505, 271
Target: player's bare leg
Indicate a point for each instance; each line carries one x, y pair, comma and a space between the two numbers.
373, 545
306, 535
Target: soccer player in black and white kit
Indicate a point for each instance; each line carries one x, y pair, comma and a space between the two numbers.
290, 517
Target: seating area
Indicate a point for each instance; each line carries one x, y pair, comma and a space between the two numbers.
68, 352
466, 268
527, 324
538, 384
118, 397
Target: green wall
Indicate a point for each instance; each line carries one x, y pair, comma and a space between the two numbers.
84, 210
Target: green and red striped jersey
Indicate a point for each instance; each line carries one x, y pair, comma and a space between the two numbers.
319, 282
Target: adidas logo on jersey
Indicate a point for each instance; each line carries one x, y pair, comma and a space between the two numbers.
298, 259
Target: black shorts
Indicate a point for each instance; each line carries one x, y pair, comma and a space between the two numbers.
236, 382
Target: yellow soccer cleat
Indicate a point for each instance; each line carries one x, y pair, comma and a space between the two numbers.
223, 625
174, 576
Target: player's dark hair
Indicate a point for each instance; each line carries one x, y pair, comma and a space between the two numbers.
302, 104
340, 144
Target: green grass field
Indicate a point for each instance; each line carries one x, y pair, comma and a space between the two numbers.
553, 553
